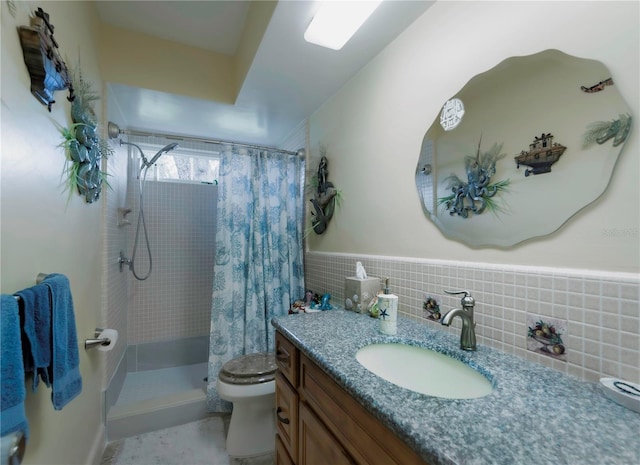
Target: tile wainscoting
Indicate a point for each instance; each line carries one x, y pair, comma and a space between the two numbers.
601, 309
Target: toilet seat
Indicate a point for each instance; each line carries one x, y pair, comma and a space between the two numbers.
249, 369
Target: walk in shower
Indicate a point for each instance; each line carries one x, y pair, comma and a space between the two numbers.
159, 378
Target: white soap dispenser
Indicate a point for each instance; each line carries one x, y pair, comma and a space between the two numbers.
388, 310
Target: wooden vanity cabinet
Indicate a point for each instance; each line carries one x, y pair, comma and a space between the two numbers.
319, 423
286, 401
317, 444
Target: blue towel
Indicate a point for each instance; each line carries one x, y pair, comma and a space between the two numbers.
35, 318
65, 367
12, 414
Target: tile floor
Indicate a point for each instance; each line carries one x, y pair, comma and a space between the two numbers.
198, 443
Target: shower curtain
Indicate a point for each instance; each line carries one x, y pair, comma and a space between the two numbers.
258, 270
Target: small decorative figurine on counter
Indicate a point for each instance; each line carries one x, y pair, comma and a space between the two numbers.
325, 305
308, 298
311, 303
431, 305
374, 311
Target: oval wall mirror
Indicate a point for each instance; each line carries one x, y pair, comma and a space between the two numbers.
521, 148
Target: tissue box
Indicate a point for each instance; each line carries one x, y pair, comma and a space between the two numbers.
358, 293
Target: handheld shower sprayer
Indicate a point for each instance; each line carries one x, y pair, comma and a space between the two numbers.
165, 149
114, 132
149, 163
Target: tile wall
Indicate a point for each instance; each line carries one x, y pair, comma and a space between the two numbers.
175, 301
602, 309
114, 285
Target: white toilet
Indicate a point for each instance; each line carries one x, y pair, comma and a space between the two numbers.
249, 383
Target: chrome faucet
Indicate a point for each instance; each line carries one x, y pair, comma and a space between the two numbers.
468, 334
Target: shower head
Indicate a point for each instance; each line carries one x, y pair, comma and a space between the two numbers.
165, 149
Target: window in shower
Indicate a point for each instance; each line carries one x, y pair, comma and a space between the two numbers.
186, 168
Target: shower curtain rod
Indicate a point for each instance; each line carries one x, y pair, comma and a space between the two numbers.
133, 132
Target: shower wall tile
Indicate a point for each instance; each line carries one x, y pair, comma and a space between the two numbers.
167, 354
114, 283
602, 309
175, 301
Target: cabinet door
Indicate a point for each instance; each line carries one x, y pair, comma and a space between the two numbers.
363, 436
282, 456
317, 444
287, 415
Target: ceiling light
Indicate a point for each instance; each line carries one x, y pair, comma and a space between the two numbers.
337, 20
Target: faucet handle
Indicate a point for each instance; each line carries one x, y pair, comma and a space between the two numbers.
467, 300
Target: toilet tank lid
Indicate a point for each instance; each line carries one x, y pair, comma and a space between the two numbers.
249, 369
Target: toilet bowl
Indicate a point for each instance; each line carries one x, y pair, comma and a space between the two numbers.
249, 383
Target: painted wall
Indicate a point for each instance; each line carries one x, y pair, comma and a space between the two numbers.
147, 62
42, 231
374, 126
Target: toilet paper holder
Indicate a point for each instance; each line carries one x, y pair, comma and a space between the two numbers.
91, 343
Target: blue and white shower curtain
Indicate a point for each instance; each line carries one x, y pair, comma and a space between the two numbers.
259, 269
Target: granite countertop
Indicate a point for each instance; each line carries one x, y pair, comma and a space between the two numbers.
535, 415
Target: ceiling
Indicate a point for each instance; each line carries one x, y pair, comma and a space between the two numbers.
287, 80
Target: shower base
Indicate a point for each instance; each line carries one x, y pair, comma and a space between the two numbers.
159, 398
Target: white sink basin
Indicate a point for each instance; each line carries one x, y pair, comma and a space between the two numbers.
424, 371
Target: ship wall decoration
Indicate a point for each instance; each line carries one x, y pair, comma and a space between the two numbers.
47, 70
83, 147
542, 153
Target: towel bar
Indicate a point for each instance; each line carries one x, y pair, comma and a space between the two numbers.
39, 278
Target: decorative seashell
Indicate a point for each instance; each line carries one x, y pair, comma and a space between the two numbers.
348, 304
74, 151
83, 154
93, 178
81, 135
94, 155
76, 112
92, 194
90, 134
82, 113
83, 173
